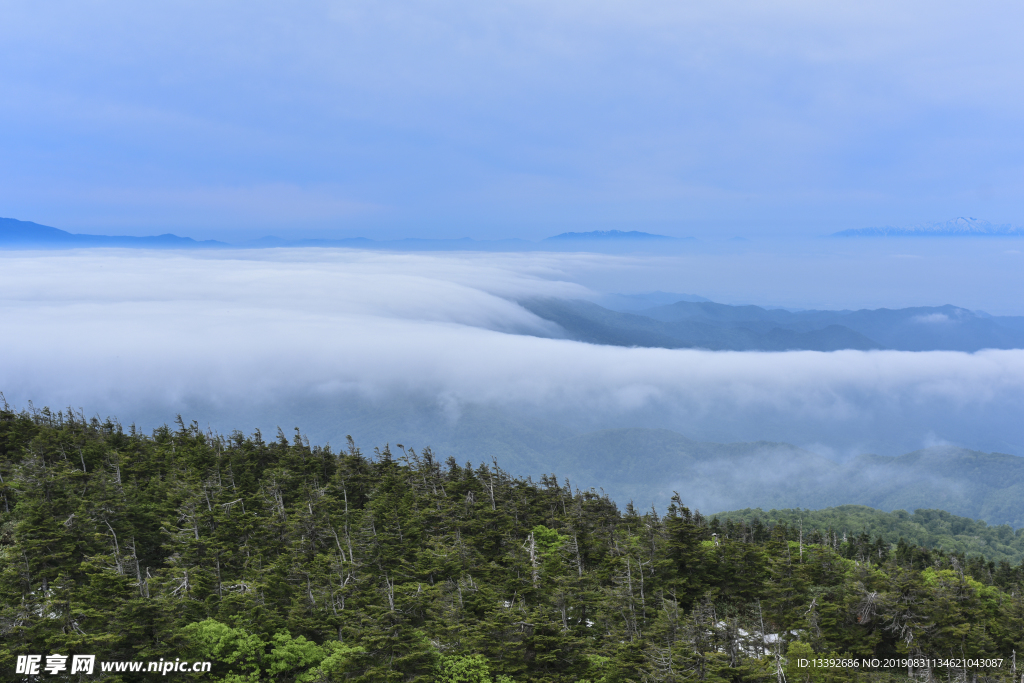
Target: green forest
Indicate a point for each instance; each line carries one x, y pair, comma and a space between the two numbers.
283, 561
925, 528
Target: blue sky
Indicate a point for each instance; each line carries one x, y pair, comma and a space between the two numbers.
515, 119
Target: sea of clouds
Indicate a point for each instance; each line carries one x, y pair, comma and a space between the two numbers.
359, 342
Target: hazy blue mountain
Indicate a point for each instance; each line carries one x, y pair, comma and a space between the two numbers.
614, 241
590, 241
922, 328
958, 227
25, 234
1010, 322
272, 242
588, 322
644, 300
29, 235
647, 465
927, 328
711, 312
617, 235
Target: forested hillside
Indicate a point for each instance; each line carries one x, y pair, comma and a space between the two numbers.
282, 561
924, 528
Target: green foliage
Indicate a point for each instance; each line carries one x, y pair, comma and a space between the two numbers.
924, 528
464, 669
548, 540
233, 648
287, 563
291, 658
242, 657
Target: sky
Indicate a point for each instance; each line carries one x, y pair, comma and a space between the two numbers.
784, 119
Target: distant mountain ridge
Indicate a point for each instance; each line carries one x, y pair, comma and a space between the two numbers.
19, 234
26, 234
628, 303
647, 465
720, 327
609, 235
957, 227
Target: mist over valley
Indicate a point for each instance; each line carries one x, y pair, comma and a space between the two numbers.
519, 357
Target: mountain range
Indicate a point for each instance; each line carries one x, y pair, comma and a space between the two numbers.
609, 235
721, 327
958, 227
647, 465
28, 235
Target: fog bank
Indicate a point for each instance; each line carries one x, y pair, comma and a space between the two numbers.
418, 346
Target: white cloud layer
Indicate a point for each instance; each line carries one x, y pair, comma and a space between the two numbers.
143, 335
